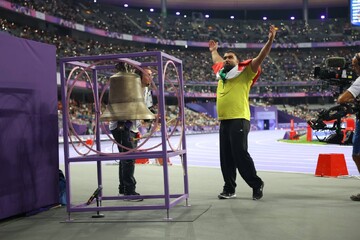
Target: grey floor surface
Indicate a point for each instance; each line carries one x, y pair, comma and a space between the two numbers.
295, 206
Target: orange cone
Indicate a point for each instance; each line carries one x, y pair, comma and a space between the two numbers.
142, 161
161, 162
89, 142
331, 165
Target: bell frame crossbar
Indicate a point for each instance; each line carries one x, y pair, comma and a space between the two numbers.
90, 63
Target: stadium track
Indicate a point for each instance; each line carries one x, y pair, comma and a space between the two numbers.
268, 153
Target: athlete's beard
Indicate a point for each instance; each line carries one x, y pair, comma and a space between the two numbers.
228, 67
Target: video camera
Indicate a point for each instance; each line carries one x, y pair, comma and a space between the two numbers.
334, 113
336, 71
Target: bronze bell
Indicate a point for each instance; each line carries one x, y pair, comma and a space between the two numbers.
126, 99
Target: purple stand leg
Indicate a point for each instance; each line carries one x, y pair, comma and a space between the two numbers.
98, 214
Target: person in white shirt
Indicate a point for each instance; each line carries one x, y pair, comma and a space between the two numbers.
350, 95
125, 133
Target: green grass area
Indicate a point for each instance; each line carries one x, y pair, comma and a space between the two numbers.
302, 139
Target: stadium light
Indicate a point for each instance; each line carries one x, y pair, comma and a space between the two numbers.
232, 17
207, 16
322, 17
264, 18
292, 18
185, 16
151, 10
177, 13
126, 5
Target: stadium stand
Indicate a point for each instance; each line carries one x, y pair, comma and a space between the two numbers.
287, 73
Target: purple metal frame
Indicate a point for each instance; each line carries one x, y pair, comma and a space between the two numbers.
170, 200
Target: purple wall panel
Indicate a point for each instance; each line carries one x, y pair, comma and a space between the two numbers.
28, 125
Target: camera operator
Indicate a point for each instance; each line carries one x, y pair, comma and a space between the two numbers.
350, 96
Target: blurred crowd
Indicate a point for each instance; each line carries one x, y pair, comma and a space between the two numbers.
195, 27
286, 70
